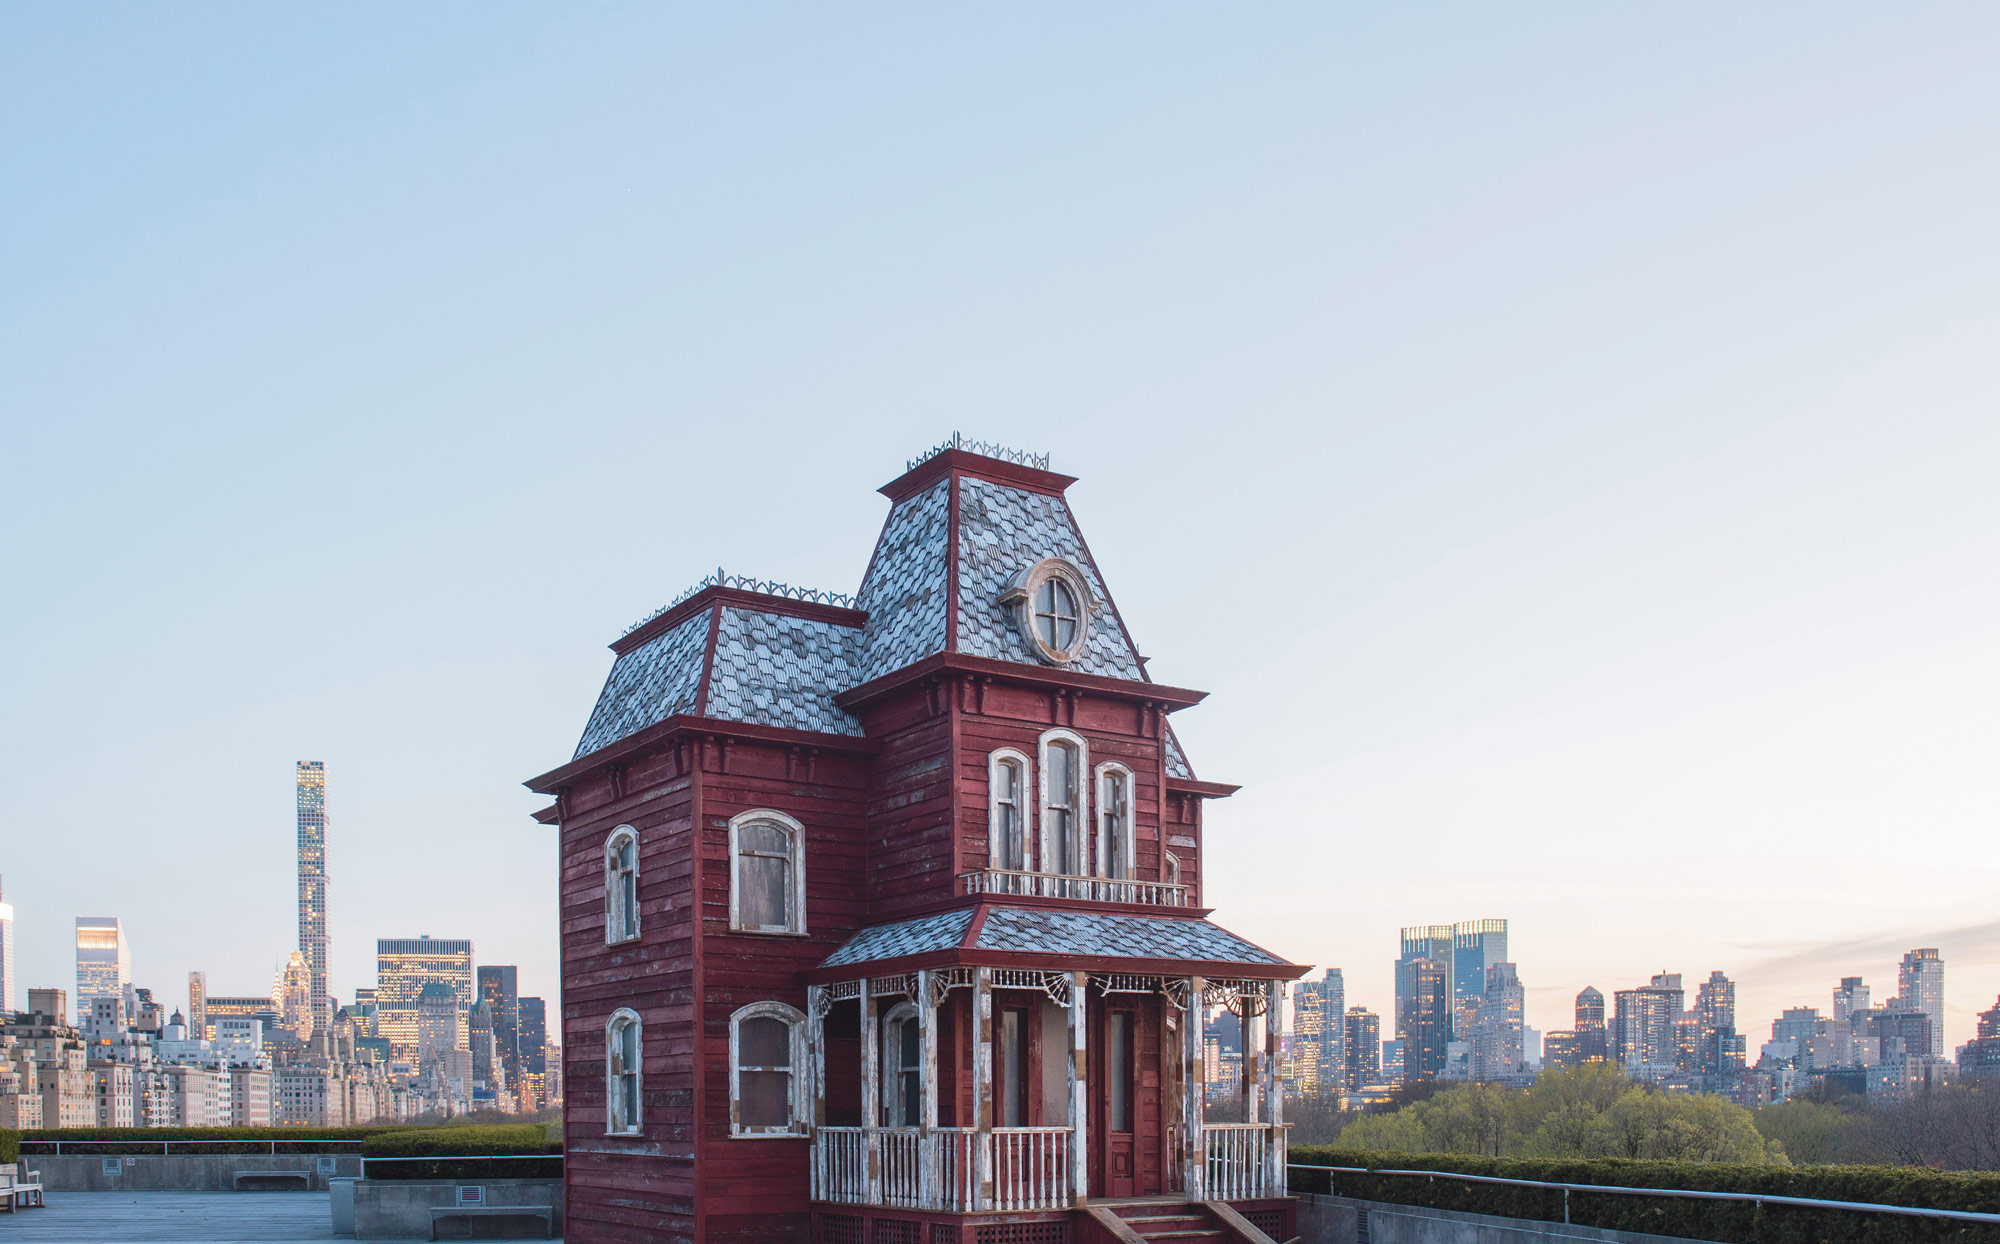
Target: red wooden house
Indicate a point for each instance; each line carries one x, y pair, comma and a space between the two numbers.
883, 918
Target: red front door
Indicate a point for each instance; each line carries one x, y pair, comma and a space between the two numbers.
1114, 1104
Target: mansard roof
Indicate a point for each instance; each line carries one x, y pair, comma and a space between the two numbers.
962, 527
991, 933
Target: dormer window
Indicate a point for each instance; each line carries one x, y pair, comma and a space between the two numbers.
1052, 604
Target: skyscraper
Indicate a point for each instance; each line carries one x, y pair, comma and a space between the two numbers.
403, 966
1476, 945
1424, 1025
1643, 1026
1320, 1028
1920, 988
1498, 1042
103, 960
1591, 1045
312, 884
1850, 999
499, 988
6, 955
198, 1005
1423, 941
1363, 1037
534, 1054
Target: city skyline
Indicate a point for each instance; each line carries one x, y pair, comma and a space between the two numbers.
1607, 437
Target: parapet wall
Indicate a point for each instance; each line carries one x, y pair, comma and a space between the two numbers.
1339, 1220
178, 1172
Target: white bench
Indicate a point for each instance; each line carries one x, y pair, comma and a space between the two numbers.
19, 1189
547, 1213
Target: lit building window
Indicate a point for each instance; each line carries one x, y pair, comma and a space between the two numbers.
766, 1055
767, 884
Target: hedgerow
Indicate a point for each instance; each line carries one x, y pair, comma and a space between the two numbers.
464, 1153
1732, 1222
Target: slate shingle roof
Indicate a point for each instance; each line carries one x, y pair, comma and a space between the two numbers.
1002, 530
649, 684
1052, 932
776, 669
910, 937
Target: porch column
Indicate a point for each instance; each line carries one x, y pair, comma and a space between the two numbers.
1194, 1080
982, 1080
927, 1174
1275, 1177
871, 1094
1079, 1080
816, 1043
1251, 1028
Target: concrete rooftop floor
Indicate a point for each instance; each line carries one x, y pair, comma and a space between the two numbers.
173, 1218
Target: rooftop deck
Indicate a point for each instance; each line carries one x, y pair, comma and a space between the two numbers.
174, 1218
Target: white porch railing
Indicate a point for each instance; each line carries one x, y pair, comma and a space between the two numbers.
958, 1168
840, 1165
1030, 1168
1058, 885
1243, 1161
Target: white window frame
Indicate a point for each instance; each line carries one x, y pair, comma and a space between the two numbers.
1112, 771
795, 926
624, 1015
1023, 806
1080, 823
620, 925
1170, 868
892, 1069
802, 1093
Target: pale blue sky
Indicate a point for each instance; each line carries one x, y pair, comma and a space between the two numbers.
1561, 437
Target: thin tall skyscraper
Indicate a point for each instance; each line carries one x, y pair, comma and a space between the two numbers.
103, 960
312, 885
6, 954
197, 1015
1920, 988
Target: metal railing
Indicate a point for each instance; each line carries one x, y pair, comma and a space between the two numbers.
1757, 1198
1022, 884
96, 1148
985, 449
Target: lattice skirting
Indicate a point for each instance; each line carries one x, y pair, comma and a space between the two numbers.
859, 1229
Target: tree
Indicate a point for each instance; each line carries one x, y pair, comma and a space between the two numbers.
1811, 1132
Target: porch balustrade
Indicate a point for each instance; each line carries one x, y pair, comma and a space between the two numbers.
1243, 1161
1030, 1168
1017, 884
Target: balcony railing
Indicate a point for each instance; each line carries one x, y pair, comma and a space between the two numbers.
1020, 884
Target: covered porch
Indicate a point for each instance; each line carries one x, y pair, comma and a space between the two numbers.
980, 1088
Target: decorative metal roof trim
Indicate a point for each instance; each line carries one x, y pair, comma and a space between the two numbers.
985, 449
745, 583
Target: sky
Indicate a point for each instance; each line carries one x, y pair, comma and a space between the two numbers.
1561, 438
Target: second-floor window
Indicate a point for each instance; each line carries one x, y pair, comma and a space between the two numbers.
621, 885
1064, 762
1114, 821
767, 881
1007, 822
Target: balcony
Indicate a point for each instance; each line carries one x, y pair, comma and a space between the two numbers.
1017, 884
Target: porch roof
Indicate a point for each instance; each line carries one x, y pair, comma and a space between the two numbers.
1006, 936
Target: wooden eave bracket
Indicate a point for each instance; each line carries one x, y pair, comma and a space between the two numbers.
1206, 790
549, 815
1172, 698
685, 723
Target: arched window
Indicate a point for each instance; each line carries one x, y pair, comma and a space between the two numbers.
1007, 819
621, 885
767, 1060
767, 873
902, 1068
1114, 821
1064, 761
622, 1055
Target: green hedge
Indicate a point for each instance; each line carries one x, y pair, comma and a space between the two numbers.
1734, 1222
463, 1152
10, 1146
